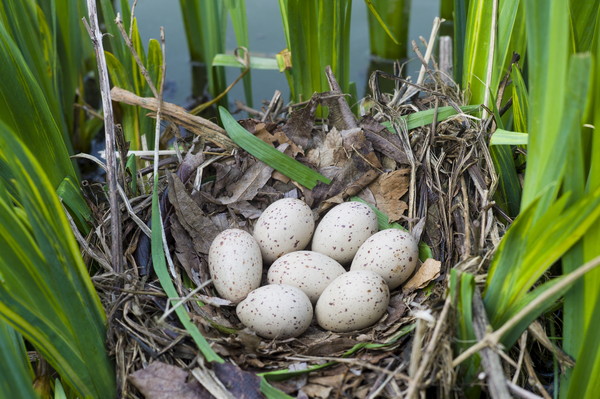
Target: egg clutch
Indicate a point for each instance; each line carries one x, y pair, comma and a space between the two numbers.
305, 283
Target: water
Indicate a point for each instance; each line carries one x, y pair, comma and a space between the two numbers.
266, 39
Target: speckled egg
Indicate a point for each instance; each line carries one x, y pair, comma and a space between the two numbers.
343, 229
391, 253
276, 311
235, 264
354, 300
310, 271
284, 226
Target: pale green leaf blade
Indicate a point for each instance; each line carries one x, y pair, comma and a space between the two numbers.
229, 60
423, 118
506, 137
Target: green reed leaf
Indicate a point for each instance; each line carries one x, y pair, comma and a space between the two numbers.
269, 155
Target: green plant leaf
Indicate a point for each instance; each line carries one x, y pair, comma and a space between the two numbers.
30, 110
530, 247
423, 118
17, 375
462, 286
547, 47
205, 23
583, 21
160, 267
71, 195
46, 293
585, 382
520, 101
318, 35
269, 155
505, 137
239, 20
380, 20
270, 391
460, 29
229, 60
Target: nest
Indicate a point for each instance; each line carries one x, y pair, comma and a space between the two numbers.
437, 180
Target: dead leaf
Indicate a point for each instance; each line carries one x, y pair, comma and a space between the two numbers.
396, 309
429, 270
388, 191
160, 380
384, 141
299, 126
317, 391
245, 209
200, 227
248, 185
185, 251
355, 141
278, 138
242, 384
353, 188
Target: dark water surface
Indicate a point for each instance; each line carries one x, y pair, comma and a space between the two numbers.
266, 39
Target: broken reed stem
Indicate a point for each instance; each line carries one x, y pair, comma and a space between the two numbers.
195, 124
413, 386
489, 359
415, 353
493, 338
109, 128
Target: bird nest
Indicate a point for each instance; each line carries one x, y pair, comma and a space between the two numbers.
433, 176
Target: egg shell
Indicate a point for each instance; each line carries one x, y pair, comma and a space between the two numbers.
276, 311
354, 300
343, 230
234, 264
391, 253
310, 271
284, 226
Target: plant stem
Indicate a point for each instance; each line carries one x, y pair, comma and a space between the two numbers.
109, 128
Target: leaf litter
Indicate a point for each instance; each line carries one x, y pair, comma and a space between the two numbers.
436, 180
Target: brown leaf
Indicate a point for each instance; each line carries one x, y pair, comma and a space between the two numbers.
396, 309
200, 227
429, 270
247, 186
277, 138
299, 127
388, 190
246, 209
242, 384
355, 141
184, 251
161, 380
384, 141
